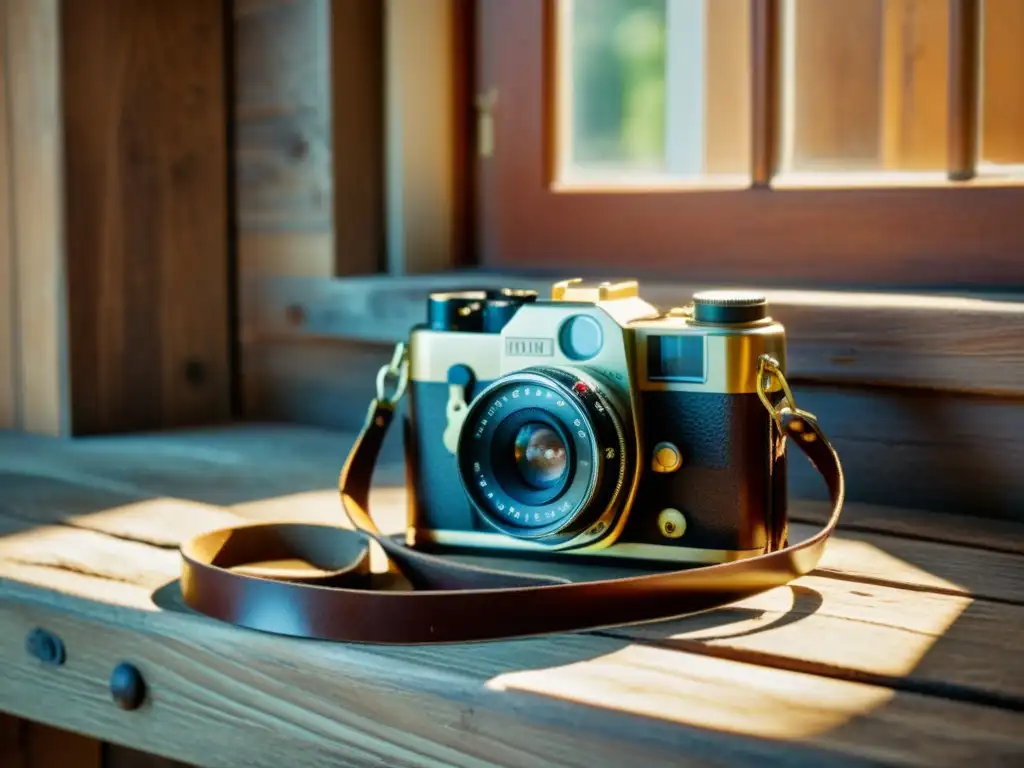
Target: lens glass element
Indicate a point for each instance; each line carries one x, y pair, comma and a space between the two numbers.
540, 455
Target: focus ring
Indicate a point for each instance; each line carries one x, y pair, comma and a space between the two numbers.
573, 404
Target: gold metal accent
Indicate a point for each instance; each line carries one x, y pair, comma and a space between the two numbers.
666, 458
455, 412
632, 550
671, 523
730, 354
578, 290
768, 370
395, 374
485, 103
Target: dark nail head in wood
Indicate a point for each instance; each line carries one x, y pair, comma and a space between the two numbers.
300, 148
46, 647
195, 372
127, 686
296, 314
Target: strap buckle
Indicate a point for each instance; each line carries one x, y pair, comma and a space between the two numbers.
393, 376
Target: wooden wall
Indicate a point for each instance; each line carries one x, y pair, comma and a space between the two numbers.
32, 327
114, 268
308, 129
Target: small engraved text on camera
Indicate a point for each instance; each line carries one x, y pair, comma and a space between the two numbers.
523, 347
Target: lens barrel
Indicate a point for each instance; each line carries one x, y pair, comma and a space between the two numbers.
579, 461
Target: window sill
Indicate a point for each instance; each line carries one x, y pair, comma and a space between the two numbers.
936, 341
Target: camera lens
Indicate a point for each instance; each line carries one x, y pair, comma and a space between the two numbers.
541, 456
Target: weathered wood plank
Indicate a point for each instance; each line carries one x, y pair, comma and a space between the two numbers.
920, 524
886, 627
358, 133
291, 471
944, 342
940, 644
578, 700
9, 358
147, 214
282, 115
36, 138
951, 453
326, 385
903, 610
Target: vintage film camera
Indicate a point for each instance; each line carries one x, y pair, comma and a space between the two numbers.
594, 424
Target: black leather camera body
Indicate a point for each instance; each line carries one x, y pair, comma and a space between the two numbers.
594, 424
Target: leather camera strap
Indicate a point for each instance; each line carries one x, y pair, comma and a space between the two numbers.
452, 601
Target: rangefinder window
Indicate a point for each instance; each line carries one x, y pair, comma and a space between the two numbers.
675, 358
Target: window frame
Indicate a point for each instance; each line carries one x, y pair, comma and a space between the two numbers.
966, 233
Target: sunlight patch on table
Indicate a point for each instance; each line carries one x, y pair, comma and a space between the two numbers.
163, 521
324, 506
703, 692
830, 623
859, 558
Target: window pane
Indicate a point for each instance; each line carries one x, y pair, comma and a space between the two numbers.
864, 85
1002, 87
653, 88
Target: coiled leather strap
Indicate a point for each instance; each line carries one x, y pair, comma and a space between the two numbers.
451, 601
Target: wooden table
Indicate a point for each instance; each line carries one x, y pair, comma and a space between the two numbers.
905, 646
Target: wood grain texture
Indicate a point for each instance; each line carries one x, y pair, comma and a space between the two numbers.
282, 116
309, 381
24, 744
147, 214
898, 651
36, 138
9, 357
421, 138
357, 117
915, 96
834, 121
309, 131
1002, 88
308, 109
919, 449
580, 701
727, 147
935, 341
296, 254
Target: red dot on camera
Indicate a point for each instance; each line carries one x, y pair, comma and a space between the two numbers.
580, 387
